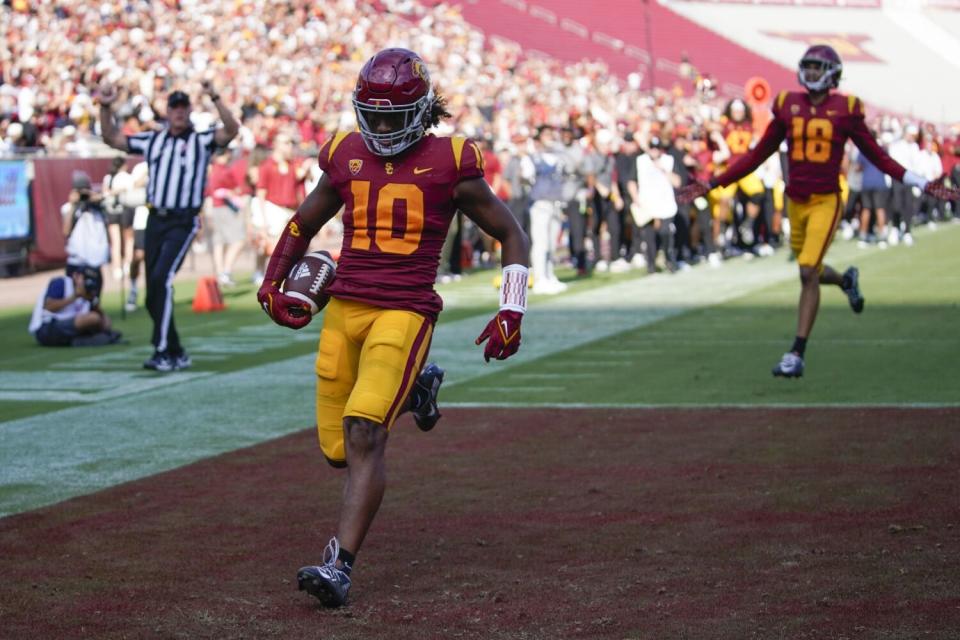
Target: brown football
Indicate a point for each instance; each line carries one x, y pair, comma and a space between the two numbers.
309, 278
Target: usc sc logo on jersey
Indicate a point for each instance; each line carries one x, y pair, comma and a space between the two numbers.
294, 229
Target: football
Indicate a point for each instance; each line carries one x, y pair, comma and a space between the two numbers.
309, 278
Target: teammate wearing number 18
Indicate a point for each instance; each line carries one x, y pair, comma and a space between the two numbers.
816, 124
400, 188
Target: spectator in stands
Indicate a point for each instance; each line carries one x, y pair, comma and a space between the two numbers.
931, 168
874, 195
771, 175
13, 143
68, 312
48, 72
655, 206
625, 173
574, 196
116, 183
546, 210
904, 199
493, 174
136, 198
6, 145
224, 216
854, 179
952, 158
677, 142
603, 198
518, 176
279, 191
699, 163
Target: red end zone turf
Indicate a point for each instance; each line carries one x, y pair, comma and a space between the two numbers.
527, 523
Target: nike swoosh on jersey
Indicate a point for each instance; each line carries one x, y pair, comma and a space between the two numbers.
417, 170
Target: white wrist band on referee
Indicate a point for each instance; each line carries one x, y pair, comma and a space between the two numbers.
913, 180
513, 288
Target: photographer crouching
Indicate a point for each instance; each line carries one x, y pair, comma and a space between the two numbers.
68, 312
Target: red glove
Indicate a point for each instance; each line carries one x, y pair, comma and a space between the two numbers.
694, 190
504, 335
940, 191
292, 244
283, 309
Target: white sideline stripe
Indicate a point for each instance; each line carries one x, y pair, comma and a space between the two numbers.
552, 376
131, 387
515, 389
692, 405
706, 339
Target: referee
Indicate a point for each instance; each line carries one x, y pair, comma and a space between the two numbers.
177, 157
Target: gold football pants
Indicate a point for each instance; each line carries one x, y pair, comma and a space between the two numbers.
812, 225
367, 362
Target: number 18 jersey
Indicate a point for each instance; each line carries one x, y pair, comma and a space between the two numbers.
816, 135
397, 211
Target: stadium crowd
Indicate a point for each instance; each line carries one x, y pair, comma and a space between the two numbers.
575, 151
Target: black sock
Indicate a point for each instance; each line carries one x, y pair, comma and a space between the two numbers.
799, 346
346, 558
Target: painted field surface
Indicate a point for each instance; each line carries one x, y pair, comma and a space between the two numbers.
527, 523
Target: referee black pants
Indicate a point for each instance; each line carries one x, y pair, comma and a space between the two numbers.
166, 242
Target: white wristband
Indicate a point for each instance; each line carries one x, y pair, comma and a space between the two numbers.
513, 288
913, 180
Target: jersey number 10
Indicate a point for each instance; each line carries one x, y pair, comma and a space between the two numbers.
811, 139
381, 227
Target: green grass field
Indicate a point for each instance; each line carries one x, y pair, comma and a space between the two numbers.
76, 420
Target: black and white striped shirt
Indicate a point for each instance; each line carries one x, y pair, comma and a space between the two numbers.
177, 165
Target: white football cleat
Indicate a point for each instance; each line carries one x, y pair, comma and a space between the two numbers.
790, 366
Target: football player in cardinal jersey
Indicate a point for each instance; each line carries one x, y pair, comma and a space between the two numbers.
400, 187
737, 132
816, 124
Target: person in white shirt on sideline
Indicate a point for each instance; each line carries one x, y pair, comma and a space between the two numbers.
655, 206
904, 198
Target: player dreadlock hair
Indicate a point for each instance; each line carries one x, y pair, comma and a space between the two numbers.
438, 111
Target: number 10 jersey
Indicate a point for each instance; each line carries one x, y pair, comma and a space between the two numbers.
397, 211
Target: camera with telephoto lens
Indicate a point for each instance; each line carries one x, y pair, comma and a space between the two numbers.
92, 283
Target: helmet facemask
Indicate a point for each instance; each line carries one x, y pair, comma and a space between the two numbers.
818, 75
408, 123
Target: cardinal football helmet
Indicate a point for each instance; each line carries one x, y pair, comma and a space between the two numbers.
393, 101
820, 68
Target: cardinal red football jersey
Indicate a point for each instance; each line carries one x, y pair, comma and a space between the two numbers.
738, 136
816, 135
815, 139
396, 214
